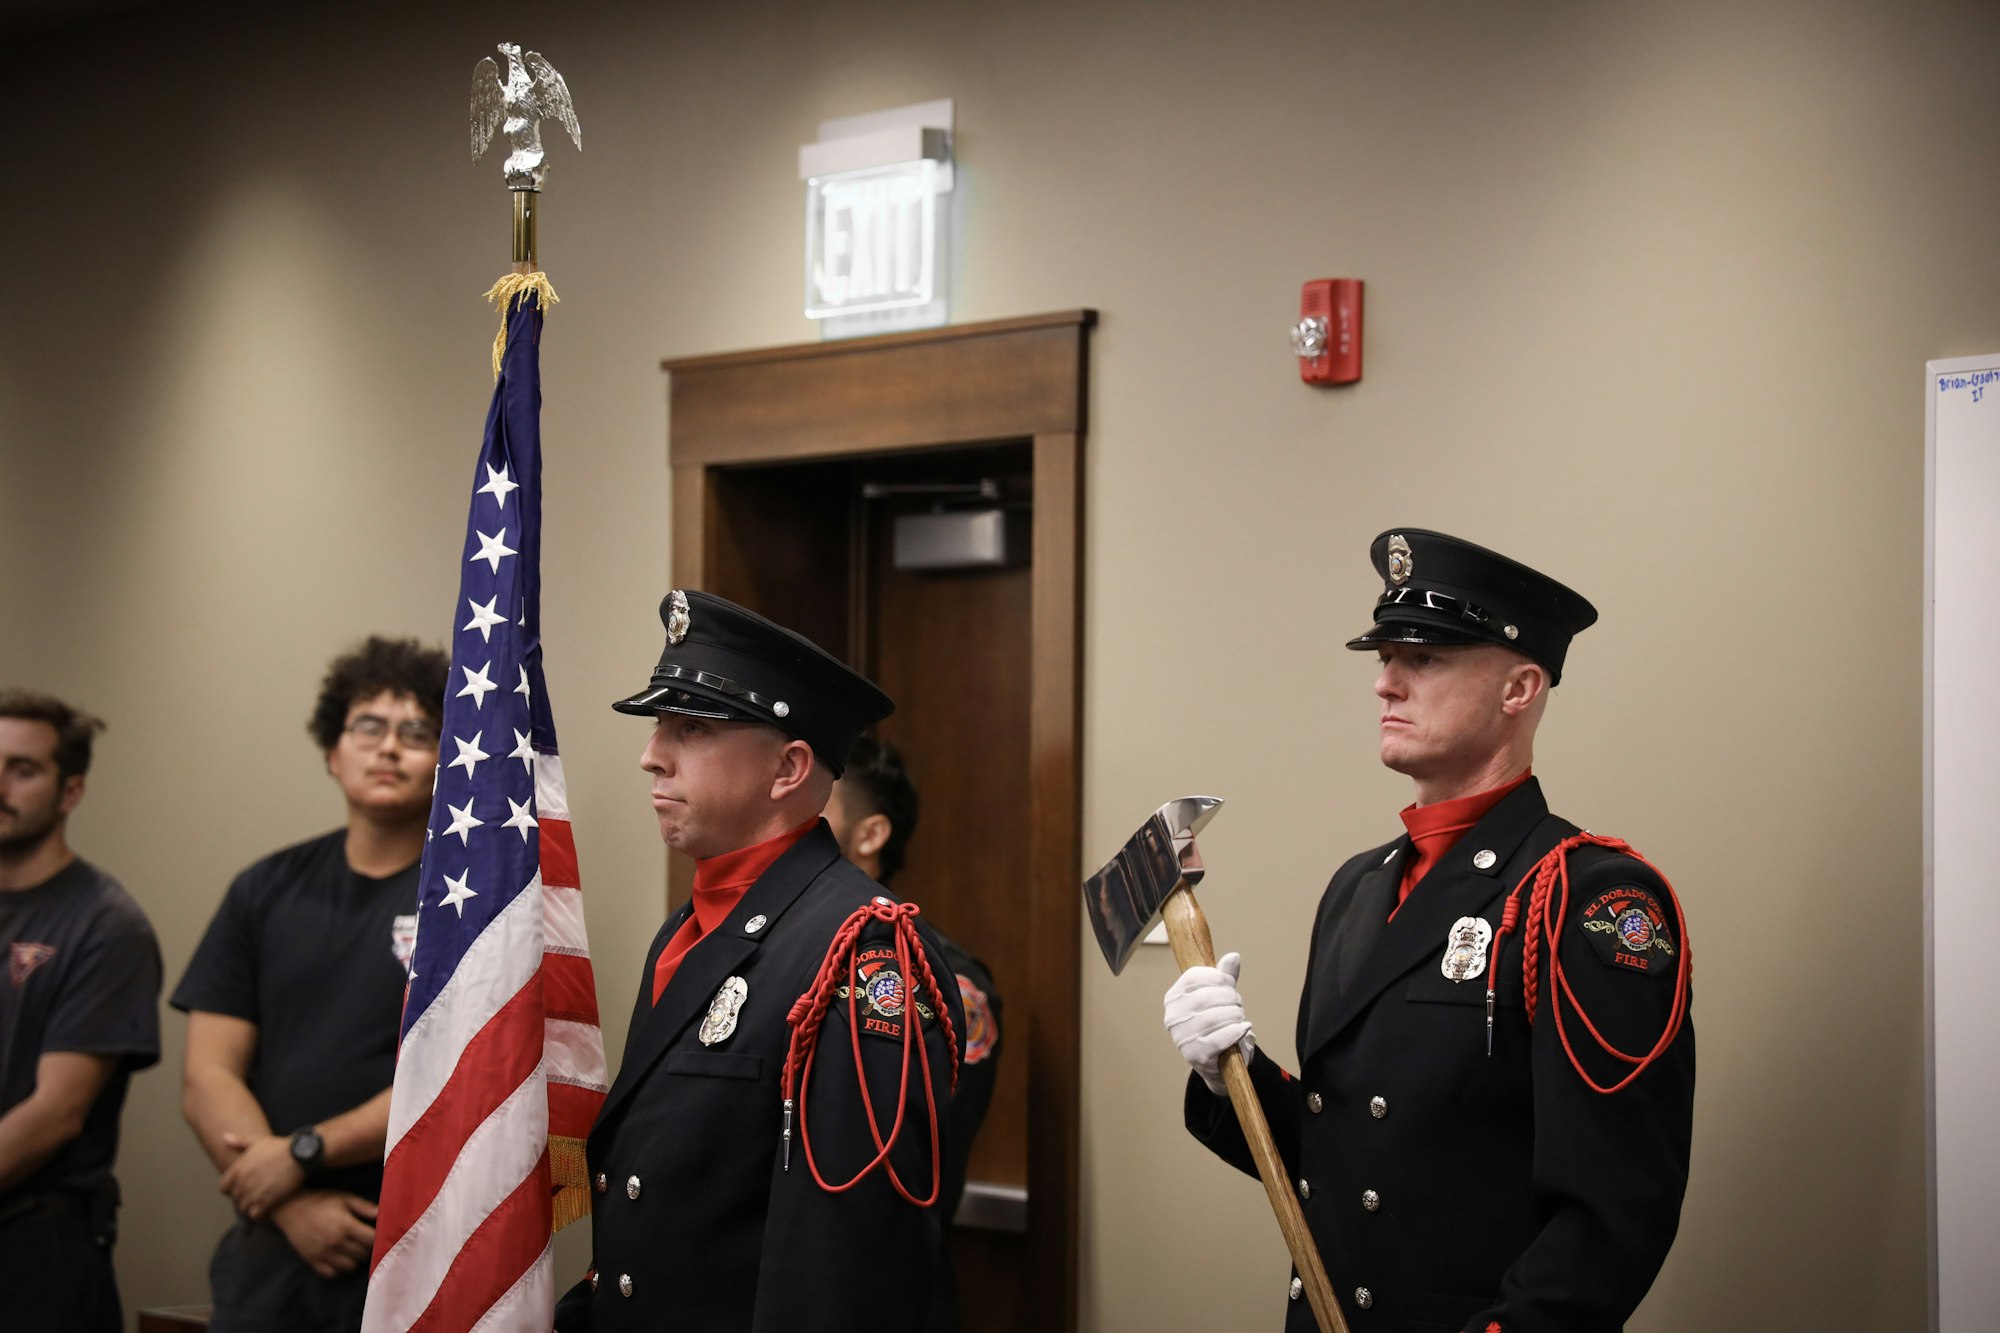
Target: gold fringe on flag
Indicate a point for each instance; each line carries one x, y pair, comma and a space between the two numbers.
506, 292
569, 1173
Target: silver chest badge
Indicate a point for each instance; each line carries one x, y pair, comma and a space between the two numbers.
1465, 949
722, 1010
679, 622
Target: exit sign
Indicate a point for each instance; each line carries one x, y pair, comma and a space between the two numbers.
879, 220
871, 239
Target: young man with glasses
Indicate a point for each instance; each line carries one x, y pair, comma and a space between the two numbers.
293, 1000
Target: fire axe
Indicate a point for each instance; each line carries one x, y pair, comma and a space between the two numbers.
1153, 876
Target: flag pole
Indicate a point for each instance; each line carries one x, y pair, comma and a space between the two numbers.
527, 212
500, 1064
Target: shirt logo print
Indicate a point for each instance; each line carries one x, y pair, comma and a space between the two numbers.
23, 959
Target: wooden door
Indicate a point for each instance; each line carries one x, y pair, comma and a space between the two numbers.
776, 455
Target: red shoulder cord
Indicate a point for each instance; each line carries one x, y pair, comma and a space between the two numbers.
1544, 927
808, 1014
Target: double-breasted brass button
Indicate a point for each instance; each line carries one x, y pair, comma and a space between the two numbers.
1315, 1103
632, 1187
599, 1183
1298, 1289
1370, 1200
624, 1284
1378, 1107
1305, 1189
1364, 1297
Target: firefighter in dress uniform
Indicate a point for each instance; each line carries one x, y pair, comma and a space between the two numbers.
768, 1157
1490, 1129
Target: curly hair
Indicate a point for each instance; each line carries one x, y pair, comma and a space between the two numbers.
876, 779
399, 666
75, 729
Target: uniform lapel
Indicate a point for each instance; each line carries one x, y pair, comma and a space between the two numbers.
642, 1005
1454, 888
1353, 925
720, 953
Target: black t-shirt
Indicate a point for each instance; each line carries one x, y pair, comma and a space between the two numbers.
315, 955
83, 975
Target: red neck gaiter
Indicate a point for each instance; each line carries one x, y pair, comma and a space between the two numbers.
720, 882
1436, 829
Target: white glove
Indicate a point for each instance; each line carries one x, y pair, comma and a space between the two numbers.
1205, 1018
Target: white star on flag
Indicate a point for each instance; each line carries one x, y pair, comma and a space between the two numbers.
522, 820
522, 688
524, 750
498, 484
462, 823
492, 549
469, 753
477, 684
456, 893
484, 618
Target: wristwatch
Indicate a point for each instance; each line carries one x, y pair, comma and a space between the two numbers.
308, 1149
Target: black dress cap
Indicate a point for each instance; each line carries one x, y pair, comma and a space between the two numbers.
724, 661
1438, 589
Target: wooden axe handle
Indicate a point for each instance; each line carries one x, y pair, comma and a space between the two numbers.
1187, 930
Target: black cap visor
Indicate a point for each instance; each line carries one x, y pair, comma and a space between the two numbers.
1412, 631
673, 699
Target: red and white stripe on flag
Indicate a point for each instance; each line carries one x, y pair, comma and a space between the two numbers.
497, 1084
573, 1038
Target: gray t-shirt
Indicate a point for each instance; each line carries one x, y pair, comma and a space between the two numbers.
83, 975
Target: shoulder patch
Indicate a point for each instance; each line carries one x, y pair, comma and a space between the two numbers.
981, 1032
880, 992
1629, 929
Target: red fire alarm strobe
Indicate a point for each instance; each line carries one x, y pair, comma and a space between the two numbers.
1327, 338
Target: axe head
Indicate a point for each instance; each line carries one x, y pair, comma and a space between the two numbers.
1124, 898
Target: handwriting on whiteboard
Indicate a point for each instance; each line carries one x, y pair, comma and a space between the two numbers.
1976, 383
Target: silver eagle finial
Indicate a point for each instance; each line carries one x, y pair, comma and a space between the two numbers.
532, 92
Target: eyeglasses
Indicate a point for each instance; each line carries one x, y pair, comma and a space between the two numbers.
413, 733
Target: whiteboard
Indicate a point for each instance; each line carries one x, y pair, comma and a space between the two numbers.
1961, 816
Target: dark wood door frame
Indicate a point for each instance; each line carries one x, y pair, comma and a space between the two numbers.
1016, 379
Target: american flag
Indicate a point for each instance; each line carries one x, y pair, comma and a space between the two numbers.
501, 1067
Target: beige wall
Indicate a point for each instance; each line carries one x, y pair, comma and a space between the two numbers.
1650, 287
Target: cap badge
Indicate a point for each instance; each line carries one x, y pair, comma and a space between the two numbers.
679, 622
1511, 631
720, 1021
1402, 563
1465, 949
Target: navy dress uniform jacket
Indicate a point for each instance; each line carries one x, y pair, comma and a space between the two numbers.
1458, 1191
696, 1224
